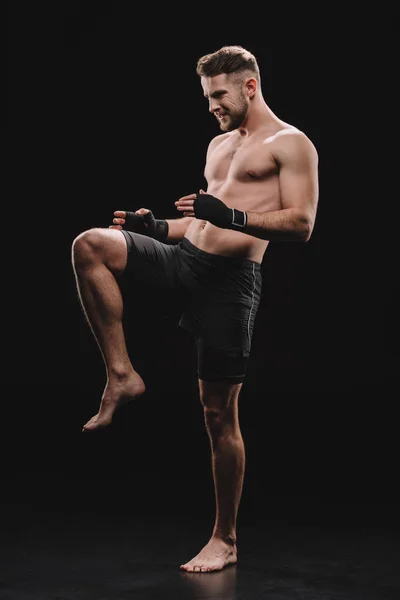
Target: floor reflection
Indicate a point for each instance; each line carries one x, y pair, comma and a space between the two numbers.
215, 585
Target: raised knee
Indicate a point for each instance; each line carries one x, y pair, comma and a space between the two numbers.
86, 245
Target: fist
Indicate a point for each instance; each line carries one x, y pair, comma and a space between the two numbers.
125, 218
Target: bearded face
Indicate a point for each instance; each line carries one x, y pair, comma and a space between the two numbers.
232, 115
227, 101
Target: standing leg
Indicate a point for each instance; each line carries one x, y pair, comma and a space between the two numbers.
99, 256
220, 401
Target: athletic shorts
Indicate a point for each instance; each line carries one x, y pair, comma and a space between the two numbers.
220, 297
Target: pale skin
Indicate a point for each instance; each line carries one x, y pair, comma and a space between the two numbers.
261, 165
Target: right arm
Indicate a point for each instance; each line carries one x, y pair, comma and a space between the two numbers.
177, 228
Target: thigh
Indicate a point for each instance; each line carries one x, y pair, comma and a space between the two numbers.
225, 366
150, 262
152, 281
225, 331
222, 317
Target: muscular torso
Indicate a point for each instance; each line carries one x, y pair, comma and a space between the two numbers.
242, 172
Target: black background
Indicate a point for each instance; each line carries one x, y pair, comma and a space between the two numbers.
106, 112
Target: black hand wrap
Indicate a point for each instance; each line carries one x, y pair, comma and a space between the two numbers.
147, 225
134, 222
212, 209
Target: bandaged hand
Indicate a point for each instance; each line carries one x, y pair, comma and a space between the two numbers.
141, 221
209, 208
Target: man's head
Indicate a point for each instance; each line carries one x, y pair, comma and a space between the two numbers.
230, 78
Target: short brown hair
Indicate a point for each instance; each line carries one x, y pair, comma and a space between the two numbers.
228, 59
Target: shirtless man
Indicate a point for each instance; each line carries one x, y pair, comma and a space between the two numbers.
262, 185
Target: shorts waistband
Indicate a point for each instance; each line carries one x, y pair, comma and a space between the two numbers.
219, 259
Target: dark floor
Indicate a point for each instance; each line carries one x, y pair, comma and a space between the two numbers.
58, 555
112, 517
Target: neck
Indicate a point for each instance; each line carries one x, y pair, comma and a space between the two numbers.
259, 115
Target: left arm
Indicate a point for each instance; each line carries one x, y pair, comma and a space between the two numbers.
297, 159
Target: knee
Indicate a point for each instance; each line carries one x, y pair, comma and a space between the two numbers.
220, 404
219, 416
214, 417
86, 246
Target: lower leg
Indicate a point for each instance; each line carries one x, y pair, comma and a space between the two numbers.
102, 304
228, 465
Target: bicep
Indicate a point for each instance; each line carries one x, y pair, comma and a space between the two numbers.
298, 177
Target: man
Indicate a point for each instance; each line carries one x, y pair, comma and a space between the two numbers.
262, 185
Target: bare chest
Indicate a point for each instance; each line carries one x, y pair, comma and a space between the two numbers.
240, 161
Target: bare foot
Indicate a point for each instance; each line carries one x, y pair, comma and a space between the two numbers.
215, 555
116, 393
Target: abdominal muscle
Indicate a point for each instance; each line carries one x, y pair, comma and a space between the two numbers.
226, 242
242, 174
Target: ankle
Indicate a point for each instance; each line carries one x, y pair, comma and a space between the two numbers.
120, 372
228, 538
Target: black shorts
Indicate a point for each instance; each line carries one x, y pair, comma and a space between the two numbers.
220, 297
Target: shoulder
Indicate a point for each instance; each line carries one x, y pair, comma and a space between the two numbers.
293, 144
217, 140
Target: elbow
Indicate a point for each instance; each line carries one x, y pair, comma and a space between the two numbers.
303, 228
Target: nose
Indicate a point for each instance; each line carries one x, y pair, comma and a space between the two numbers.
212, 105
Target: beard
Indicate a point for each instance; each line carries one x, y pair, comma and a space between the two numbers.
235, 119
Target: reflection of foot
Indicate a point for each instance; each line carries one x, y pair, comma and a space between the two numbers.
215, 555
115, 394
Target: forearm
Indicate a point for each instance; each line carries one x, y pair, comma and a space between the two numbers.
177, 228
286, 225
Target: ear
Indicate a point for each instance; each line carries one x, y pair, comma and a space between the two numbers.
251, 86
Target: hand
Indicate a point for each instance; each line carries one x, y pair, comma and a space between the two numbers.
185, 204
141, 221
133, 221
208, 207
